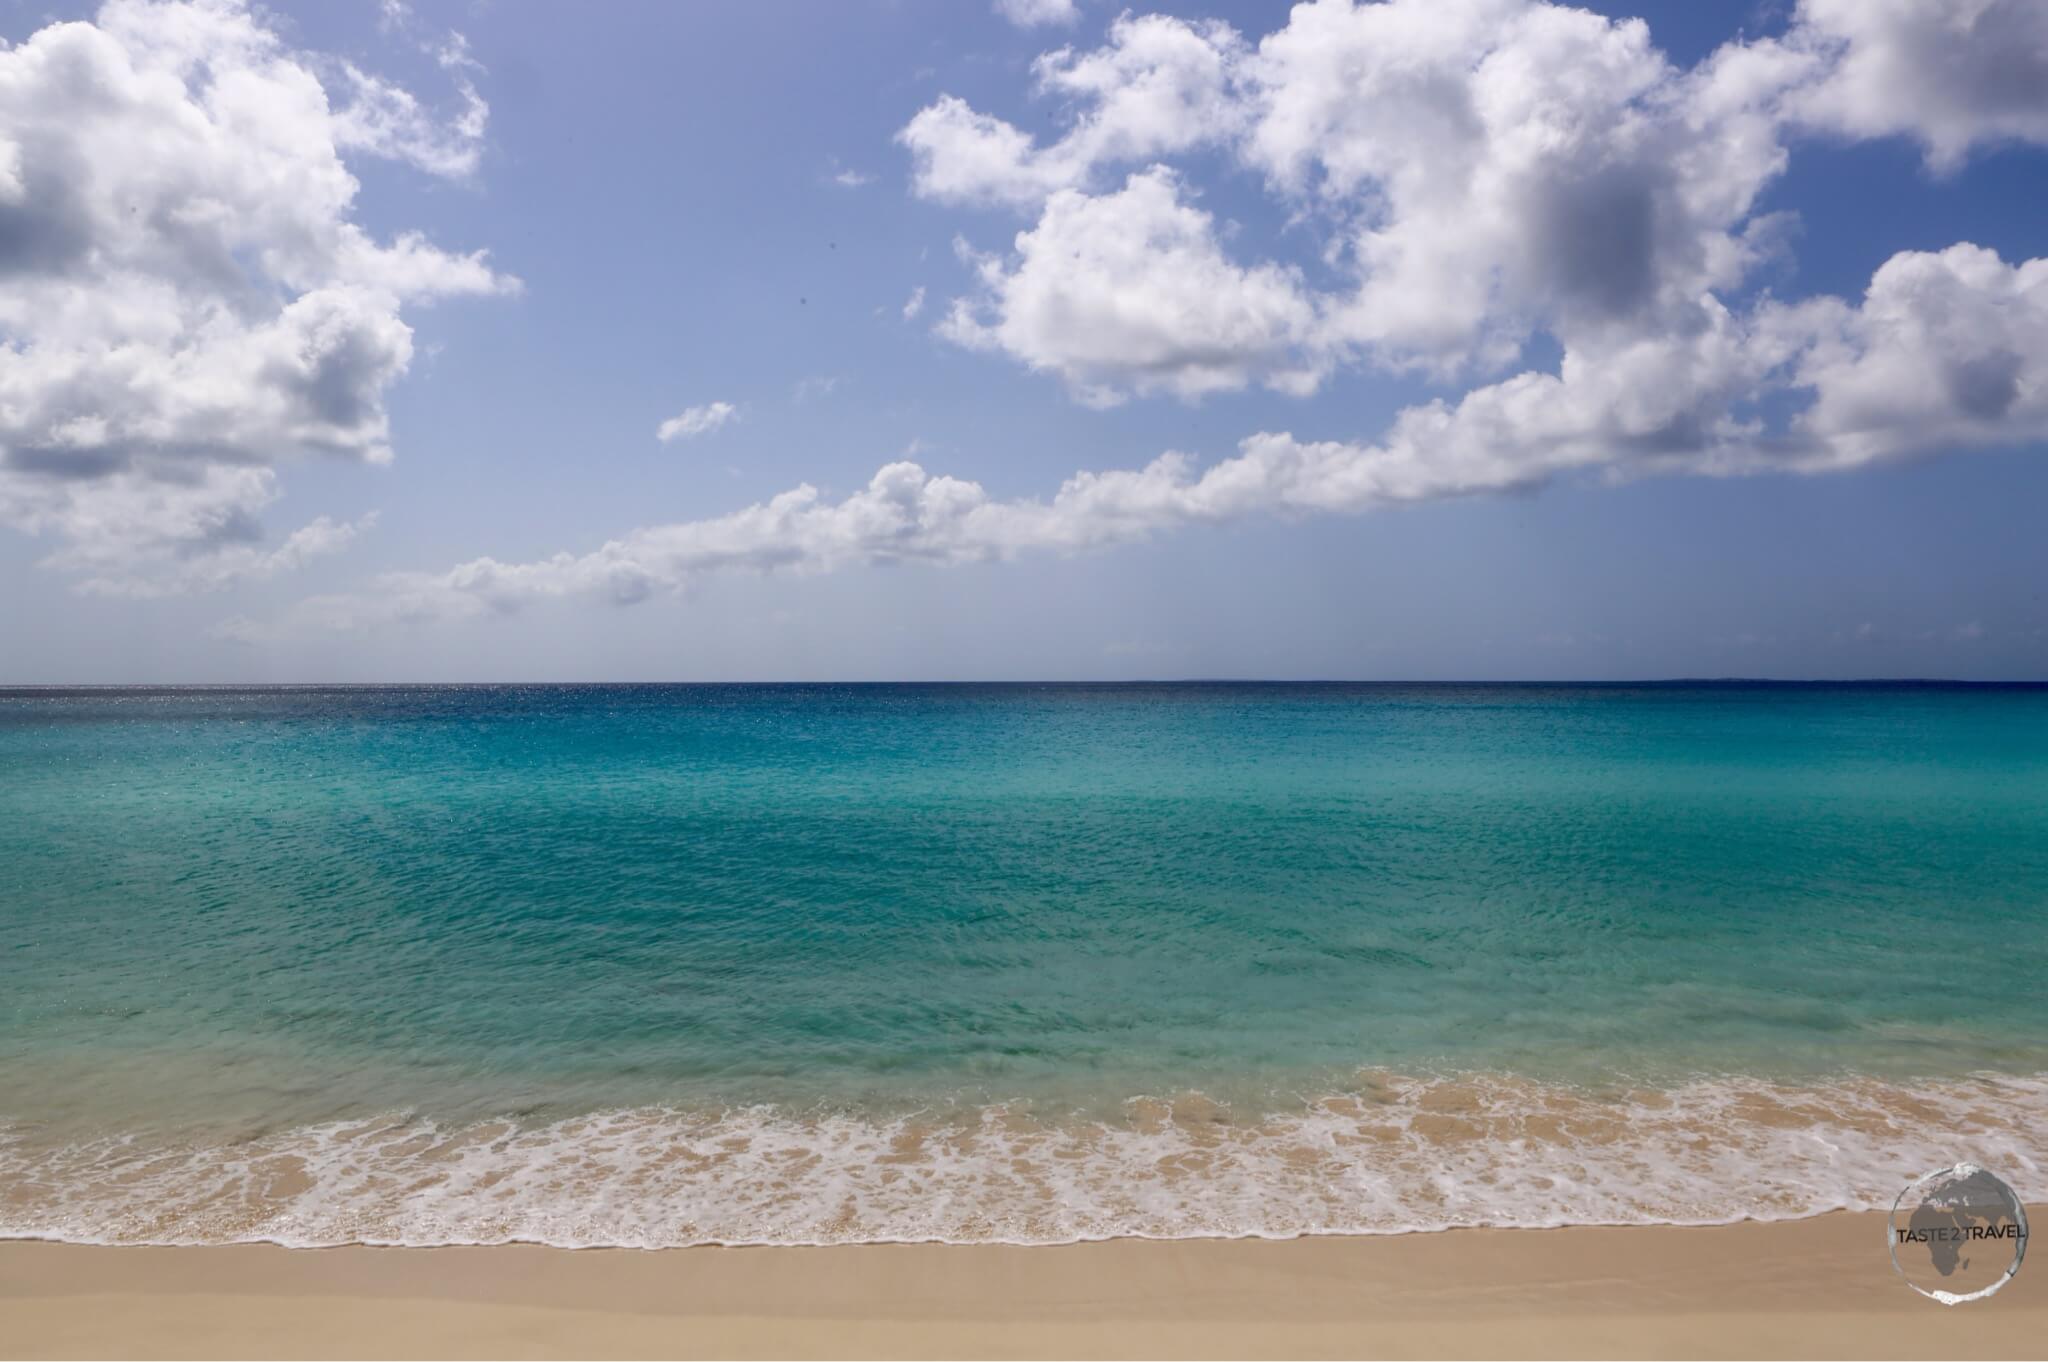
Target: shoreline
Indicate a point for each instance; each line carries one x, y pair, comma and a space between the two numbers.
8, 1240
1820, 1286
1394, 1156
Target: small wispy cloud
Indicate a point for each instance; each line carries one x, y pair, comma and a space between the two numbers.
1033, 13
915, 304
694, 421
852, 179
817, 386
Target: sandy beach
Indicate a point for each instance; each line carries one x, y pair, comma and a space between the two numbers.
1812, 1288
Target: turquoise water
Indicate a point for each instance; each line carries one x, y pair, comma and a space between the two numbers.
564, 944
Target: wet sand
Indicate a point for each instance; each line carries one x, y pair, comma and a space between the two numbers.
1812, 1288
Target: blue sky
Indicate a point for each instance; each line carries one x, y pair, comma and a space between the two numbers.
690, 205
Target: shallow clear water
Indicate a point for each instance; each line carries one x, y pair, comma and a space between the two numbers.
553, 939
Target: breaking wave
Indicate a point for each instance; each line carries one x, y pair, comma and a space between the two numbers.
1392, 1154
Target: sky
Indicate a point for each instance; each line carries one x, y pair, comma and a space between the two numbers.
1042, 339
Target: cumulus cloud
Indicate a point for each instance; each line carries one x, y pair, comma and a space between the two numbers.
1131, 292
694, 421
1500, 169
1953, 75
1033, 13
1945, 350
1485, 169
1483, 173
187, 302
1159, 86
961, 156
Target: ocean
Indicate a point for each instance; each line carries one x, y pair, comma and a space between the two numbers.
660, 965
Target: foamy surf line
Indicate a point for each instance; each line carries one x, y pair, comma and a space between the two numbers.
1396, 1155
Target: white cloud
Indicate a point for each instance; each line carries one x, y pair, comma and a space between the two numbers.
1487, 169
961, 156
187, 301
385, 120
1032, 13
1946, 350
1648, 406
1130, 292
1952, 74
232, 563
143, 535
694, 421
1505, 168
914, 304
1160, 86
852, 179
1487, 172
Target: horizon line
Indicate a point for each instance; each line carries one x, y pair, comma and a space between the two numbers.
8, 686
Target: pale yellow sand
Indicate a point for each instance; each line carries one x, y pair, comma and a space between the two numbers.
1819, 1288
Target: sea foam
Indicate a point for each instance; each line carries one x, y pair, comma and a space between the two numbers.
1393, 1154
